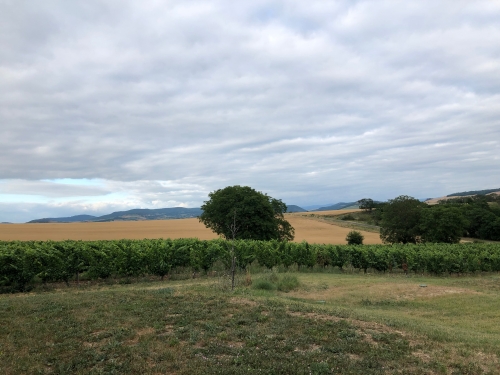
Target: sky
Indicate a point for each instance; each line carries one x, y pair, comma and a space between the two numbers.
113, 105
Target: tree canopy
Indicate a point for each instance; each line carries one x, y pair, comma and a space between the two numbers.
354, 238
401, 220
442, 224
407, 220
246, 212
366, 204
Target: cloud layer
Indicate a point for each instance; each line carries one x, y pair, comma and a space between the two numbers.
312, 102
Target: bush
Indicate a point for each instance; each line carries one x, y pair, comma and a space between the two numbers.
273, 281
288, 283
263, 284
354, 238
348, 217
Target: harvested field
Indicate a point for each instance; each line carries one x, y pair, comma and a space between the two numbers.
115, 230
312, 231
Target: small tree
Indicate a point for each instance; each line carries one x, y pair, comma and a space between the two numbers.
354, 238
366, 204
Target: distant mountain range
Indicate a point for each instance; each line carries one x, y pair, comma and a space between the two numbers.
130, 215
166, 213
182, 212
338, 206
293, 208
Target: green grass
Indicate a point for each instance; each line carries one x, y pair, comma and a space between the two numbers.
323, 324
273, 281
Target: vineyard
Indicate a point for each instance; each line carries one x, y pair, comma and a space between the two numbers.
25, 263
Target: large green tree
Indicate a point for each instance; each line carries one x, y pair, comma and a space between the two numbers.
442, 224
245, 213
401, 220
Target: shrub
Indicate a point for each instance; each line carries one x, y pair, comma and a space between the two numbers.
263, 284
288, 283
354, 238
348, 217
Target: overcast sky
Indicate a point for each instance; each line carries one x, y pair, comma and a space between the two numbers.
111, 105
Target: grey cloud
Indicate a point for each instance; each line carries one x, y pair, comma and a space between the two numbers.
310, 101
50, 189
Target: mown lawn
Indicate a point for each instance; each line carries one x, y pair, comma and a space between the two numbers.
330, 324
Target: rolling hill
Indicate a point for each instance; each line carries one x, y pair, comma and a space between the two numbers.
130, 215
140, 214
339, 206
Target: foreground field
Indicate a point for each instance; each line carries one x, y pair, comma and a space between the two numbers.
305, 229
330, 324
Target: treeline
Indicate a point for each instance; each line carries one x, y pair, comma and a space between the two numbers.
405, 219
481, 215
23, 264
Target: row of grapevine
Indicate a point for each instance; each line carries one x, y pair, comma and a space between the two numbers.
23, 263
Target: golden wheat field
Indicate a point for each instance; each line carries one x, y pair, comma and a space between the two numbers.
307, 229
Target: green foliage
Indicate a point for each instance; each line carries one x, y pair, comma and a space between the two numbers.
288, 283
491, 230
401, 220
366, 204
478, 218
348, 217
273, 281
256, 215
267, 255
354, 238
442, 224
482, 214
339, 255
192, 330
263, 284
303, 254
22, 264
158, 258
